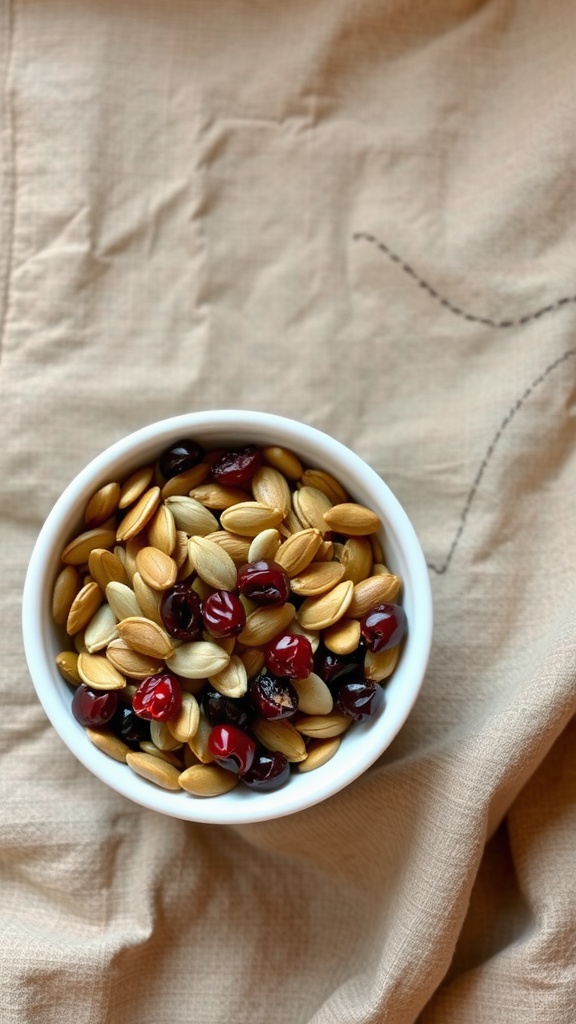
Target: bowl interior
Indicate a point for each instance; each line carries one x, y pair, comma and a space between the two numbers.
363, 743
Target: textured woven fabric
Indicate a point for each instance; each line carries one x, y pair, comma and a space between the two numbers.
361, 216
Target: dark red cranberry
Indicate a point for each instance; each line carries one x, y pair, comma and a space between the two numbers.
220, 709
383, 626
180, 456
129, 727
273, 697
264, 582
93, 707
337, 669
231, 748
235, 468
223, 614
181, 611
290, 655
359, 700
269, 770
158, 697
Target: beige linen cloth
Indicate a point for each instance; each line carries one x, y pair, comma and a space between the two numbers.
360, 215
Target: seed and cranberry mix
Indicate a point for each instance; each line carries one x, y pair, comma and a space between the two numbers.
202, 625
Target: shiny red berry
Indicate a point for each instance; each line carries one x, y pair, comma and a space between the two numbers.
383, 626
158, 697
270, 770
290, 655
235, 468
181, 612
223, 614
264, 582
231, 748
93, 708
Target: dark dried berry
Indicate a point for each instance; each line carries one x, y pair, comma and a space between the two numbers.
290, 655
180, 456
93, 707
231, 748
129, 727
264, 582
181, 612
359, 700
383, 626
273, 697
158, 697
223, 614
337, 669
220, 709
269, 770
235, 468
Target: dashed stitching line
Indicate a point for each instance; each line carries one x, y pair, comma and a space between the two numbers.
440, 570
450, 306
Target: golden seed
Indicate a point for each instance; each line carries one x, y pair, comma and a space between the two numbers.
344, 636
356, 557
216, 496
207, 780
248, 518
102, 505
83, 607
197, 659
131, 663
139, 515
109, 744
314, 697
269, 487
285, 461
317, 578
134, 487
319, 752
351, 519
298, 550
191, 516
212, 563
105, 567
379, 665
97, 672
281, 735
326, 483
263, 624
182, 483
310, 506
323, 726
185, 725
156, 568
232, 680
264, 545
154, 769
322, 612
66, 587
149, 600
122, 600
67, 664
78, 550
380, 589
145, 636
162, 530
101, 629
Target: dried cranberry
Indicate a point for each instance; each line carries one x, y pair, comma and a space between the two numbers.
290, 655
383, 626
359, 700
223, 614
129, 727
181, 611
235, 468
93, 707
220, 709
273, 697
264, 582
158, 697
337, 669
180, 456
269, 770
231, 748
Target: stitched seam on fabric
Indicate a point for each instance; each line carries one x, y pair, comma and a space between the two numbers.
514, 409
442, 300
8, 175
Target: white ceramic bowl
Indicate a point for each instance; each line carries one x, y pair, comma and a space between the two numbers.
363, 743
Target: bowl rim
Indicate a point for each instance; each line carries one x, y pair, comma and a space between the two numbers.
302, 791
